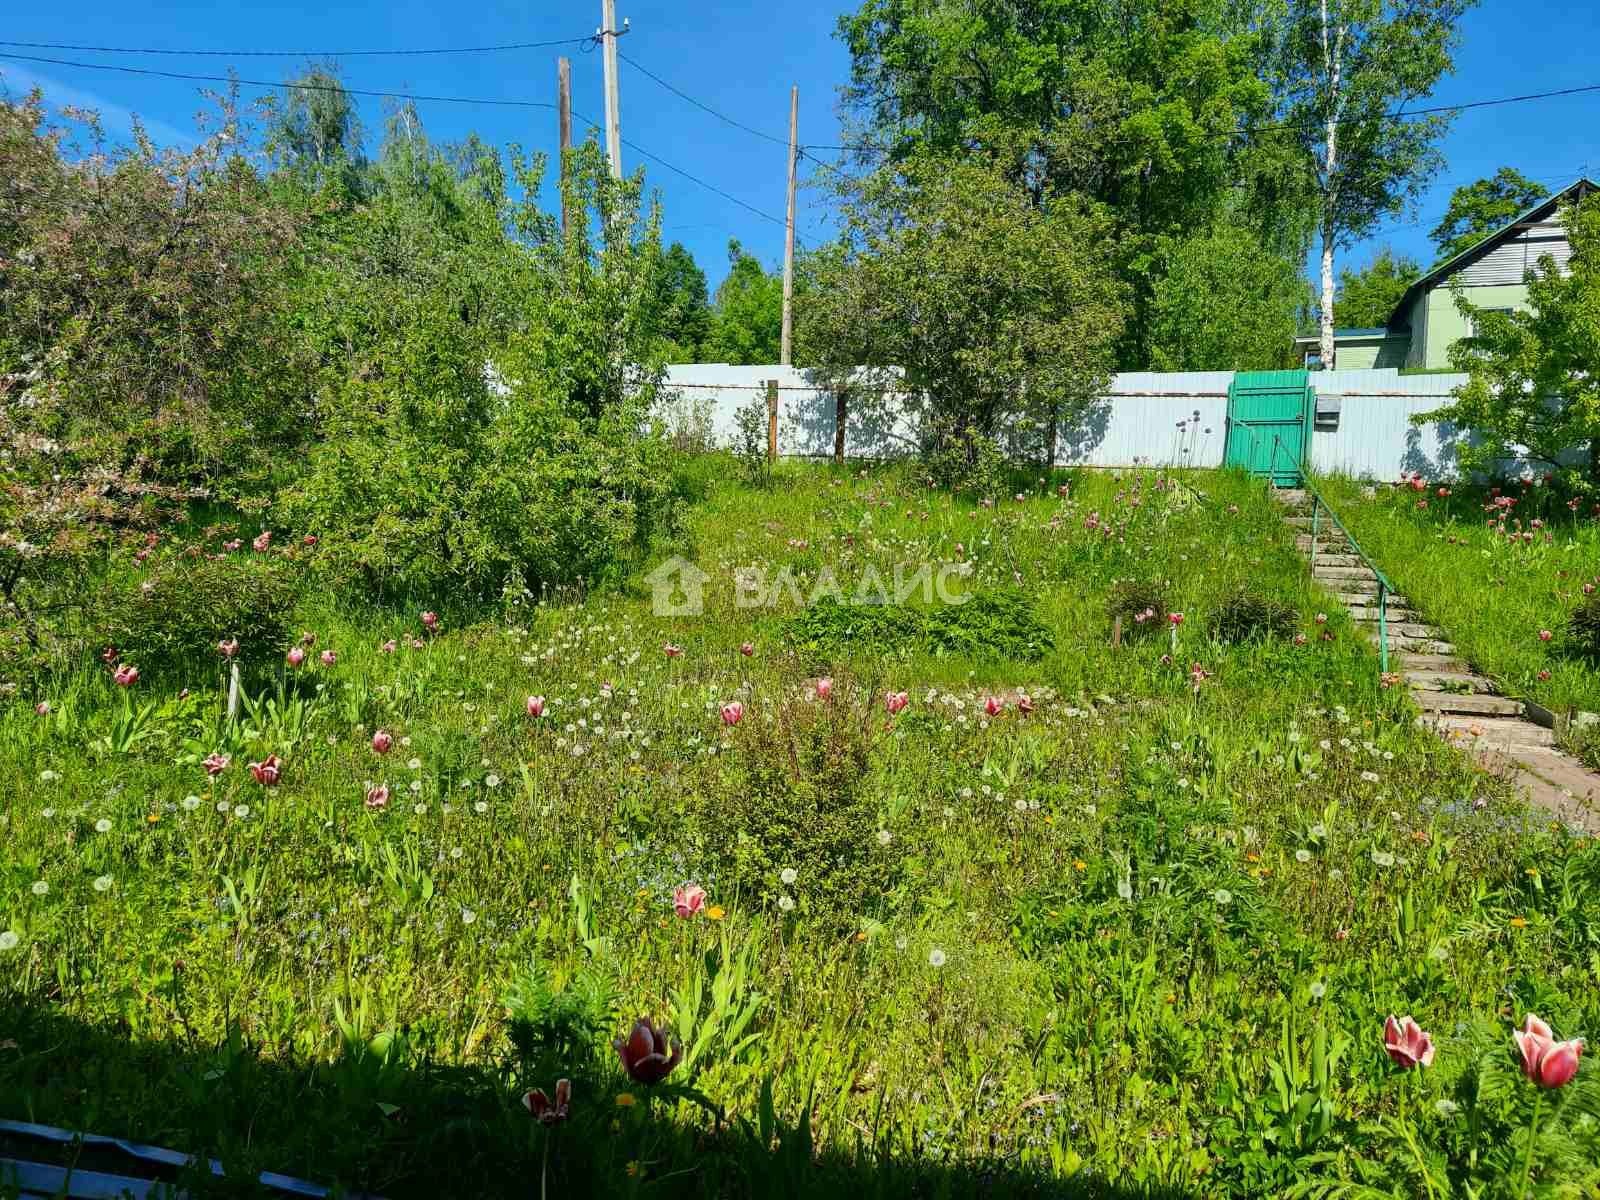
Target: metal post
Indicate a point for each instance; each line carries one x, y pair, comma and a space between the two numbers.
1316, 512
1383, 625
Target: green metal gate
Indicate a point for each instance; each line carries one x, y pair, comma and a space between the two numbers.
1269, 423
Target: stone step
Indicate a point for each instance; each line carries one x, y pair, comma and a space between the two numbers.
1401, 629
1429, 663
1485, 706
1417, 645
1298, 522
1342, 573
1367, 599
1338, 560
1395, 614
1489, 733
1291, 496
1365, 587
1325, 541
1436, 681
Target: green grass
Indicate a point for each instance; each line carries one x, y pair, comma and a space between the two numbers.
1139, 941
1492, 588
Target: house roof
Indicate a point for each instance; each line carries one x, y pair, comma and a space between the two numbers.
1542, 209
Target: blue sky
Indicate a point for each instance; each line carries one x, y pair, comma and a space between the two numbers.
738, 57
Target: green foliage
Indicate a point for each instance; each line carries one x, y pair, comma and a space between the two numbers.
1367, 297
747, 323
750, 444
172, 618
1478, 209
1534, 386
1584, 628
1002, 312
990, 625
556, 1025
826, 629
681, 307
1245, 614
1224, 303
1142, 605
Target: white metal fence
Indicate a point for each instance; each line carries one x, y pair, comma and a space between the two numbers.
1177, 418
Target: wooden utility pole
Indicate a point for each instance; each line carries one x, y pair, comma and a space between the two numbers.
609, 33
564, 73
787, 355
772, 421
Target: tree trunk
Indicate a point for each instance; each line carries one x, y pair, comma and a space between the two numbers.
841, 409
1333, 63
1327, 298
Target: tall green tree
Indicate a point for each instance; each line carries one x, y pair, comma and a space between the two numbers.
317, 129
1534, 377
1366, 297
747, 326
1480, 208
1344, 68
1135, 104
682, 306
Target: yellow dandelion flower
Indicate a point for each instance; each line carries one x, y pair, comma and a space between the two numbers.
1518, 923
715, 912
625, 1100
633, 1169
1078, 864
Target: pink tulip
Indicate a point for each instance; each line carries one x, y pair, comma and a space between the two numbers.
1406, 1043
895, 701
215, 764
42, 708
310, 539
126, 676
382, 741
1544, 676
109, 655
732, 712
378, 797
1545, 635
824, 687
670, 650
536, 706
1300, 639
747, 649
993, 706
1175, 618
1545, 1061
329, 658
644, 1052
1588, 589
267, 773
390, 646
686, 901
262, 541
228, 648
1024, 703
431, 621
1321, 618
308, 639
295, 657
546, 1111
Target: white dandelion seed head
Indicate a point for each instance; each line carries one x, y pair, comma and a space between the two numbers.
190, 803
1222, 896
786, 903
788, 875
39, 887
241, 811
103, 825
884, 837
1318, 990
103, 884
468, 916
8, 940
481, 807
936, 957
1302, 855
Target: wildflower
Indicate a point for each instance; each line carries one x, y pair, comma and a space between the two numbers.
936, 957
267, 773
1406, 1043
8, 940
103, 825
824, 687
786, 903
1176, 619
732, 712
382, 741
536, 706
329, 658
1079, 865
42, 708
788, 875
670, 650
378, 797
126, 675
1545, 635
1545, 1061
103, 883
884, 837
686, 901
40, 888
295, 657
430, 621
390, 646
1300, 639
625, 1100
993, 706
894, 702
1519, 923
228, 648
747, 649
646, 1054
545, 1110
715, 912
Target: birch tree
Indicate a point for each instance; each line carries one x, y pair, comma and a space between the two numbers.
1350, 69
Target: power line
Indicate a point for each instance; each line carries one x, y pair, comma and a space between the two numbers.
710, 187
300, 53
304, 87
698, 104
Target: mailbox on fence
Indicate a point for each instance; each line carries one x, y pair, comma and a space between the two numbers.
1327, 413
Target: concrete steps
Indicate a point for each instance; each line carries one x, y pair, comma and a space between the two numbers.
1492, 733
1473, 705
1428, 680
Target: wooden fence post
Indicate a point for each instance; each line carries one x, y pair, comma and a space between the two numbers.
772, 420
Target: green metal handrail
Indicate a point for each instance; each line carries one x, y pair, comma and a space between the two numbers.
1385, 588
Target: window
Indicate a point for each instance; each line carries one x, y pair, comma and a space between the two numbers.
1475, 330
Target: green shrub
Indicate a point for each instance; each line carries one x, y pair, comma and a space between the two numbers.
797, 799
1246, 615
990, 625
1142, 605
1584, 629
173, 618
828, 628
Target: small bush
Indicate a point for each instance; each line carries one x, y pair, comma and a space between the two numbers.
798, 799
1142, 605
1246, 615
173, 618
990, 625
1584, 629
827, 628
750, 447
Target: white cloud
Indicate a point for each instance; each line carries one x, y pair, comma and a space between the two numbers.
16, 81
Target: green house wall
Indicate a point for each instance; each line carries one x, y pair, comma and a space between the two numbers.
1436, 323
